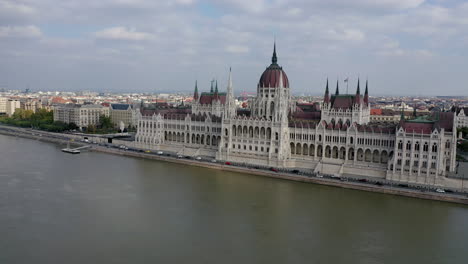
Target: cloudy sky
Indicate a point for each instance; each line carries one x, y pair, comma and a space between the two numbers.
404, 47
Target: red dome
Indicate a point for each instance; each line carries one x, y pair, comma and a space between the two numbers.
271, 76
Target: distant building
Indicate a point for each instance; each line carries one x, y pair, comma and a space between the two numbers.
122, 113
3, 101
461, 118
11, 106
33, 105
384, 115
80, 115
391, 116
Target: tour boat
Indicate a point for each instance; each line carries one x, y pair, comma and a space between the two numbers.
70, 150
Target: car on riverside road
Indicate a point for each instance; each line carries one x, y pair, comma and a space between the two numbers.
439, 190
160, 152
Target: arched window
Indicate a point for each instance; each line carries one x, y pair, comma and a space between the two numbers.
425, 147
434, 147
400, 145
272, 108
416, 146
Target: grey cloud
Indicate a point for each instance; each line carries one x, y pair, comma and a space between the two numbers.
157, 45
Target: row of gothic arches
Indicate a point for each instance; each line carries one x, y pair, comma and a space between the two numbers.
417, 146
251, 132
336, 152
193, 138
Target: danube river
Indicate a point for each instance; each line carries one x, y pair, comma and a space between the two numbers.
100, 208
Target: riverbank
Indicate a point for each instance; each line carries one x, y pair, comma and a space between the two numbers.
63, 139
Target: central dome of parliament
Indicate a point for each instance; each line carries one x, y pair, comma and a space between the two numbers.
271, 76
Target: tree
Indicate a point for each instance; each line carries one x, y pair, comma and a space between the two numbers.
463, 146
72, 126
105, 122
21, 114
91, 129
464, 131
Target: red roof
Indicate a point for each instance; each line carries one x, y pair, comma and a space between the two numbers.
271, 76
345, 101
376, 111
446, 121
59, 100
208, 98
423, 128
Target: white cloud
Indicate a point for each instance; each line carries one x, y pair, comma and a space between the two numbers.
251, 6
122, 33
396, 4
294, 11
18, 8
30, 31
185, 2
237, 49
314, 38
345, 34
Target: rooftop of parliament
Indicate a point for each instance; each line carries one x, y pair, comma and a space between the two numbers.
333, 137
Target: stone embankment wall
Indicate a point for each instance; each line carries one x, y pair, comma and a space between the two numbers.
63, 138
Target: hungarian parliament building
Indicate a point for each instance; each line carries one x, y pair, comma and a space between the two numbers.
330, 137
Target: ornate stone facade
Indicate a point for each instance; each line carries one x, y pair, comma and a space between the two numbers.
334, 137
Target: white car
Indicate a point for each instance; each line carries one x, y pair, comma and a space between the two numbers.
160, 152
198, 158
439, 190
213, 160
319, 176
180, 156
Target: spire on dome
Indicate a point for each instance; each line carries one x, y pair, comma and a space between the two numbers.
195, 94
366, 94
337, 92
326, 98
274, 59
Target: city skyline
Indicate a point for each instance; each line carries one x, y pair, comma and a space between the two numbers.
402, 47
